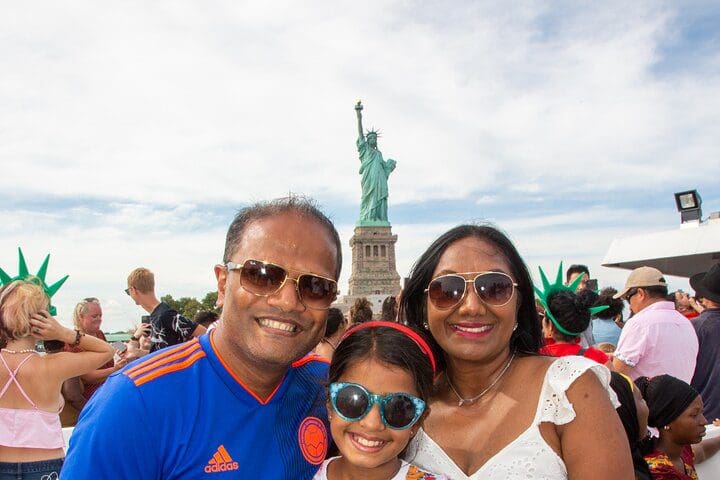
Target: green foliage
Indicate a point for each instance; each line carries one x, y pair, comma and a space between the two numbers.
208, 303
188, 307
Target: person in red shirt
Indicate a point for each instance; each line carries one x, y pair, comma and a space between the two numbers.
567, 316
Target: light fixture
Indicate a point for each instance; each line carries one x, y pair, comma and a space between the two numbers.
689, 205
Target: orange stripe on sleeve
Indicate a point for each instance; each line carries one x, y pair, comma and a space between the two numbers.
168, 359
165, 353
168, 369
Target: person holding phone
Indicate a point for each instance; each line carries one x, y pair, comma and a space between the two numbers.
167, 326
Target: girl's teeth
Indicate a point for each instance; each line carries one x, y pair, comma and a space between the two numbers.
368, 443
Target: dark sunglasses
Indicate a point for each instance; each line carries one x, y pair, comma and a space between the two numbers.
630, 294
352, 402
264, 279
493, 288
127, 291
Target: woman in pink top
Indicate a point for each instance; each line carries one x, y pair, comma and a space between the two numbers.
31, 441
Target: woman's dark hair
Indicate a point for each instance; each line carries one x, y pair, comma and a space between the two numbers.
571, 311
615, 304
335, 318
389, 309
667, 398
386, 345
526, 338
627, 411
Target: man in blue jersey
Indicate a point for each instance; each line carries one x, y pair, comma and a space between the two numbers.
244, 400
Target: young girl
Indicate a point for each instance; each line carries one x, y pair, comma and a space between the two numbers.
380, 376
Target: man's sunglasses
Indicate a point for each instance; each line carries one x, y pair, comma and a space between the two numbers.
264, 279
630, 294
493, 288
352, 402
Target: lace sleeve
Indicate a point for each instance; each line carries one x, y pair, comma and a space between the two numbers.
554, 405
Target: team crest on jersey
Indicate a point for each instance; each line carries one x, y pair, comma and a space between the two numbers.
313, 440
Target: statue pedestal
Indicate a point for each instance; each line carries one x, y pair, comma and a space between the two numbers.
373, 262
374, 274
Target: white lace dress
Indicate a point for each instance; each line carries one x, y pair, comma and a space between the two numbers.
528, 456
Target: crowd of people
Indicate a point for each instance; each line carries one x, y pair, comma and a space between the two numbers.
472, 372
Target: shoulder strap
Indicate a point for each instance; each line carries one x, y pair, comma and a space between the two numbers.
12, 378
581, 352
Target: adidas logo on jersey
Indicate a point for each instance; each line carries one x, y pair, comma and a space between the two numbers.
221, 462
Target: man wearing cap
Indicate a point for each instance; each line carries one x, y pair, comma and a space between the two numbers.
657, 339
707, 325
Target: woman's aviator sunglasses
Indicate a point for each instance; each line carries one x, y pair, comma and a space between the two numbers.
352, 402
264, 279
493, 288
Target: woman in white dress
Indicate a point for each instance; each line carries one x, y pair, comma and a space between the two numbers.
500, 411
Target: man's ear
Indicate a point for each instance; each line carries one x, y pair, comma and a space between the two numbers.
221, 276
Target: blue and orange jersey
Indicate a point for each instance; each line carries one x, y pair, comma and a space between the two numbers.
182, 413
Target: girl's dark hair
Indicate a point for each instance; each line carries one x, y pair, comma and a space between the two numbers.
571, 311
386, 345
606, 298
525, 339
335, 318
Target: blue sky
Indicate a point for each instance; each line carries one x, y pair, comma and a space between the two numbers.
131, 133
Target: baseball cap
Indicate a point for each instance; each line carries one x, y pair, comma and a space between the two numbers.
642, 277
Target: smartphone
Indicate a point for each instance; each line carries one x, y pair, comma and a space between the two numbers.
119, 346
592, 284
145, 319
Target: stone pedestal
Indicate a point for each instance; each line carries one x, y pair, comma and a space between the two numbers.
373, 262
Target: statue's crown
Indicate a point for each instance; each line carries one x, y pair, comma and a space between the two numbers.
38, 278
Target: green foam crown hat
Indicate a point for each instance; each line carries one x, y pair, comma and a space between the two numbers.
550, 289
38, 278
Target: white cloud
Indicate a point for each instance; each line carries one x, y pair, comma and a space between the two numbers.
141, 115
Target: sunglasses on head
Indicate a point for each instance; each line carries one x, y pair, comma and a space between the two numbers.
493, 288
264, 279
352, 402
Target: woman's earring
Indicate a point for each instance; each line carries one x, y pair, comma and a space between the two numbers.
426, 326
666, 427
515, 326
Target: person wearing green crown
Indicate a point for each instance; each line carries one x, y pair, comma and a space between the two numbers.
567, 316
31, 439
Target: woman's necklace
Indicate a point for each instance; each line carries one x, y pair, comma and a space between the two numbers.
470, 401
329, 343
27, 350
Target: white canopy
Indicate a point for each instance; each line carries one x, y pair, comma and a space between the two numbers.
683, 252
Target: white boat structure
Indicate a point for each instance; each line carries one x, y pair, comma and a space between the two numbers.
692, 248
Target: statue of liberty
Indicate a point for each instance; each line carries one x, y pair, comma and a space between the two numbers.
375, 172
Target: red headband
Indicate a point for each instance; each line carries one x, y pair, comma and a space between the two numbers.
414, 336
